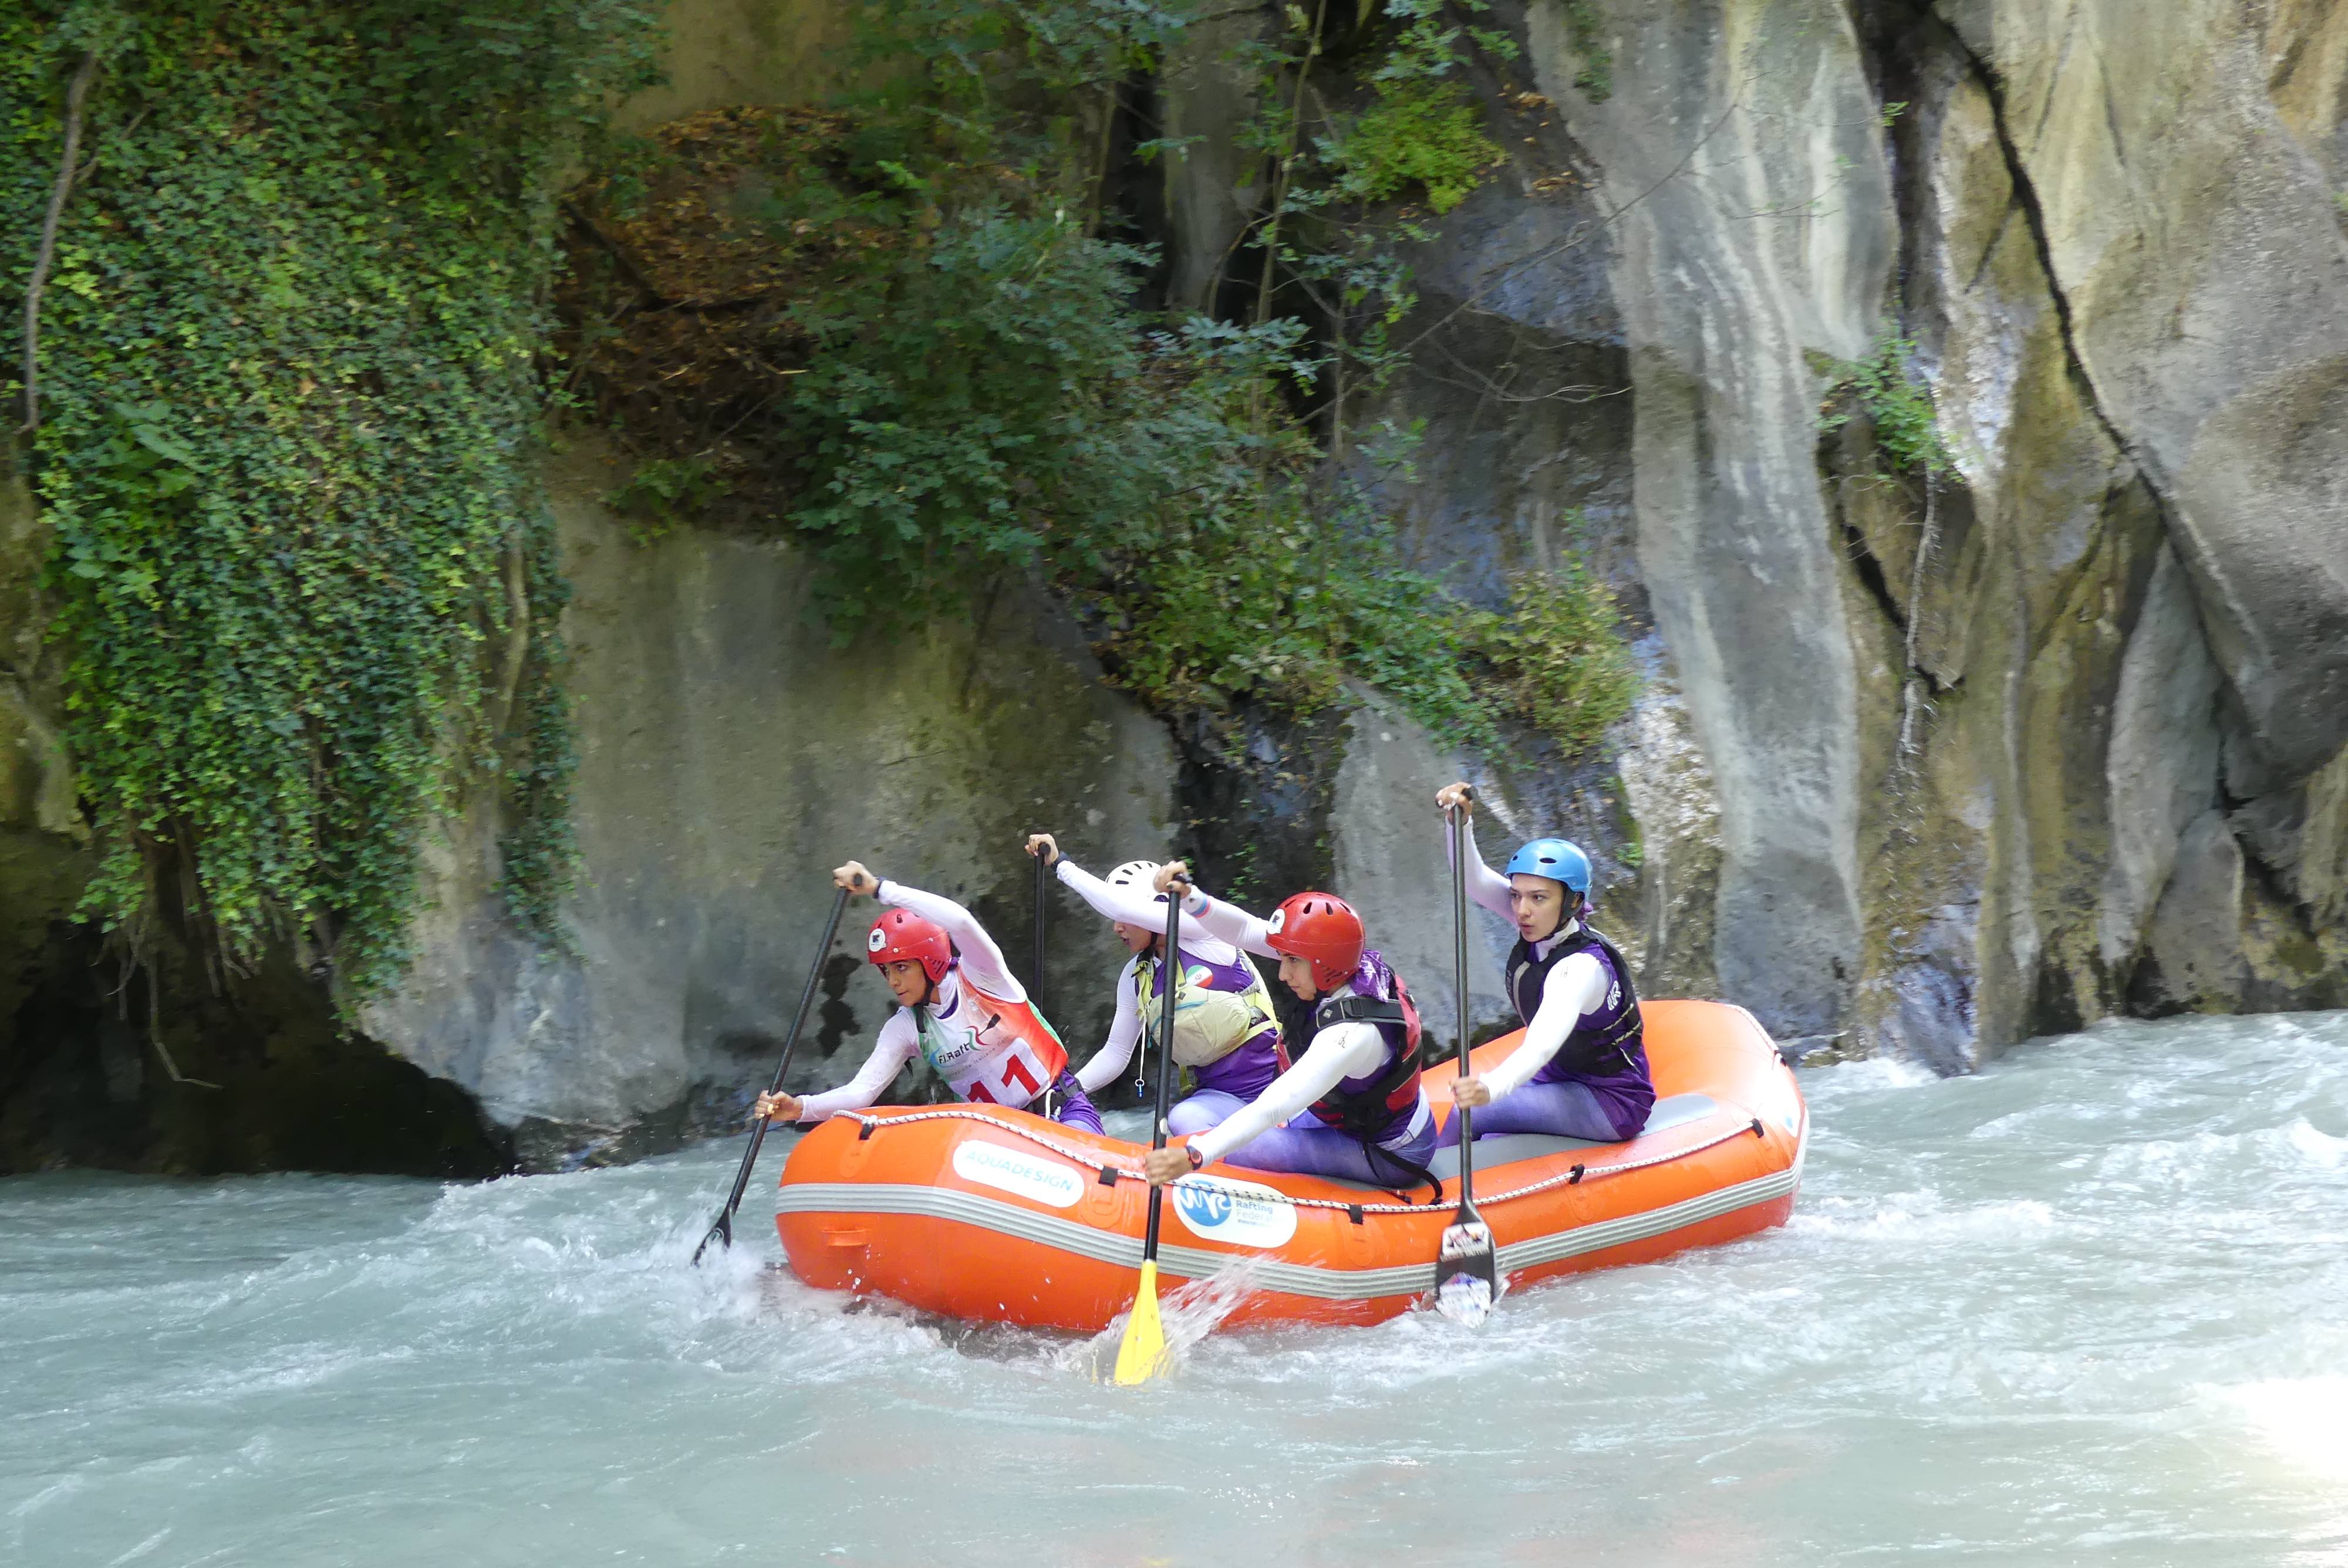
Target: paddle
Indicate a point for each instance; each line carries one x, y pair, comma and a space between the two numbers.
1050, 1109
1466, 1274
723, 1231
1141, 1355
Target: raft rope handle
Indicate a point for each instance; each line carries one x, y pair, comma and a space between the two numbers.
868, 1125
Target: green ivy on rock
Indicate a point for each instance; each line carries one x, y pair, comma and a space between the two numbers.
1896, 400
303, 578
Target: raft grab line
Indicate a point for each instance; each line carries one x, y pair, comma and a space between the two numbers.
1109, 1174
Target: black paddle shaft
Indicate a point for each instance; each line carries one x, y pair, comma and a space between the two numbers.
1035, 988
1459, 974
1165, 984
724, 1229
1465, 1251
1051, 1096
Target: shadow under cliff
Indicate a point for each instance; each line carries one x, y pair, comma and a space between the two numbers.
256, 1076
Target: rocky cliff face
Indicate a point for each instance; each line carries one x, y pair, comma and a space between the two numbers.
1923, 766
730, 755
2061, 734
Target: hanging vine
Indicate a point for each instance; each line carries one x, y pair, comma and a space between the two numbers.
301, 576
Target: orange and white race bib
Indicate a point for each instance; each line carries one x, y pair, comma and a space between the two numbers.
1007, 1058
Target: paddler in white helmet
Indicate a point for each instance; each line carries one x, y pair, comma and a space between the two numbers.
1226, 1032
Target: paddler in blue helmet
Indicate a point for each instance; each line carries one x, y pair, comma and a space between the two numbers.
1582, 1071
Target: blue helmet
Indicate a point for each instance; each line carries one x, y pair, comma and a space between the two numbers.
1555, 859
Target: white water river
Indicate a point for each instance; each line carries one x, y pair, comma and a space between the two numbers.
2090, 1305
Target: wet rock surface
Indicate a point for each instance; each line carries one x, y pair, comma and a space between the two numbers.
730, 755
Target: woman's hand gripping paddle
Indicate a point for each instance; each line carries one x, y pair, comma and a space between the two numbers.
1467, 1272
723, 1231
1141, 1354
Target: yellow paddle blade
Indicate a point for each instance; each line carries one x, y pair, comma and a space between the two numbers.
1141, 1355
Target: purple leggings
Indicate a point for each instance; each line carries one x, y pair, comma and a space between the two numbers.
1076, 1106
1311, 1147
1201, 1111
1561, 1107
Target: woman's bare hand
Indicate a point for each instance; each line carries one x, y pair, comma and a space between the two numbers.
776, 1108
1163, 1165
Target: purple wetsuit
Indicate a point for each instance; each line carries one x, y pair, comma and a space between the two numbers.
1597, 1086
1077, 1109
1391, 1133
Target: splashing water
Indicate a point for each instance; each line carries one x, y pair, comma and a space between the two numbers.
2091, 1304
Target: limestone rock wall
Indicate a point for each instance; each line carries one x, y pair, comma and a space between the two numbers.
730, 754
1930, 767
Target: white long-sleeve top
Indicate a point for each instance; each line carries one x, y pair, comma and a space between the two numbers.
1342, 1051
900, 1041
1134, 906
1576, 986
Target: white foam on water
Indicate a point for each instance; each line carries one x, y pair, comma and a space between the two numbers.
1873, 1075
2304, 1420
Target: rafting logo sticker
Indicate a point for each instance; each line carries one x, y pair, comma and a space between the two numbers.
1010, 1171
1239, 1212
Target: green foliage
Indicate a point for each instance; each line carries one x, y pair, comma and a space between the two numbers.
1585, 28
962, 389
1560, 665
1425, 133
979, 402
665, 493
1907, 428
288, 386
1331, 231
1424, 127
1265, 586
972, 54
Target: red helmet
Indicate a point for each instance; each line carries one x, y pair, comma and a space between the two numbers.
1323, 930
902, 937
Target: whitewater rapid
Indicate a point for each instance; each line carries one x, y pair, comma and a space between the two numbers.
2090, 1304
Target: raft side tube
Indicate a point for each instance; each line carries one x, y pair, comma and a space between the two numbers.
996, 1215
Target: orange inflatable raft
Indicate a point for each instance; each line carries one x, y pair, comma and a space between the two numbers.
989, 1214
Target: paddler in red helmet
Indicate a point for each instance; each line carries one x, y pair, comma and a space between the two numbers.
1347, 1103
958, 1004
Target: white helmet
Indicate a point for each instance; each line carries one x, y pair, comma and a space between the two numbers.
1132, 872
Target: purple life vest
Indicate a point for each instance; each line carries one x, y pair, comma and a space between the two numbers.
1607, 1050
1379, 1104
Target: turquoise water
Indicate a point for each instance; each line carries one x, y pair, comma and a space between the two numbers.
2089, 1306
